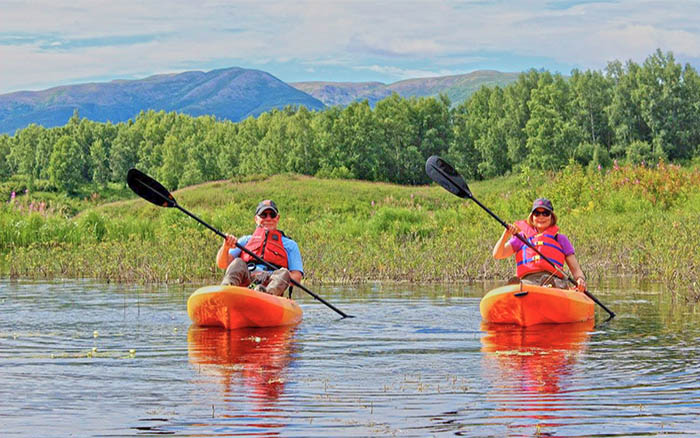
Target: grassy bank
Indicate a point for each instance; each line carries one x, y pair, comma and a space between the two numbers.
633, 221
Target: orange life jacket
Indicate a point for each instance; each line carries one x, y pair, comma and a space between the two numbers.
268, 246
528, 261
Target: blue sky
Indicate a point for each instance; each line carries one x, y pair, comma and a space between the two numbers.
46, 43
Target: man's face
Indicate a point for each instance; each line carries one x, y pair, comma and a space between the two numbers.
267, 219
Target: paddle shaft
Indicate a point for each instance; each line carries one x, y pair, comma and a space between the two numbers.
162, 193
264, 262
531, 246
463, 191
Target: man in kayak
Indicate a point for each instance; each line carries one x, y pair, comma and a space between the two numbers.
541, 230
268, 243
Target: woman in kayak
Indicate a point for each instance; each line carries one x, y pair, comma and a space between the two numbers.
268, 243
541, 230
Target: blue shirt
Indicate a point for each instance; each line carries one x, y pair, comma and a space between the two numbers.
293, 254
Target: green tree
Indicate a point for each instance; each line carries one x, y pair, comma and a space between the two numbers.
591, 95
5, 171
304, 155
99, 162
668, 100
624, 111
66, 164
462, 152
23, 152
124, 153
553, 136
516, 113
173, 162
399, 138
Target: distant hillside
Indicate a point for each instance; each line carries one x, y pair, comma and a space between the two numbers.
232, 93
344, 93
458, 87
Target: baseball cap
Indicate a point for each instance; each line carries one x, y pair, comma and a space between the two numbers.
542, 203
266, 205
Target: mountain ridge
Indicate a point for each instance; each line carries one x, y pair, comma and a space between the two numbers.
456, 87
233, 93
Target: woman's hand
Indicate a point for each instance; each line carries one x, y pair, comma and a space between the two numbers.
513, 229
581, 284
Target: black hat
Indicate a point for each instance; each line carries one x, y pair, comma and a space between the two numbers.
542, 203
266, 205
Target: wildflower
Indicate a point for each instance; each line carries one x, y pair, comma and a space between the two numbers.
371, 204
12, 197
615, 165
599, 168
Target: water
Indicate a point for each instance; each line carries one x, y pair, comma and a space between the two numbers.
94, 360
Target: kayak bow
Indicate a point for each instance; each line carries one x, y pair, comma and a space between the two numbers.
526, 305
235, 307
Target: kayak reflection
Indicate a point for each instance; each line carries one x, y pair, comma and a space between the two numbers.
533, 359
532, 371
252, 359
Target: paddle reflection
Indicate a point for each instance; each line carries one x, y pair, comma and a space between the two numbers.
531, 369
254, 359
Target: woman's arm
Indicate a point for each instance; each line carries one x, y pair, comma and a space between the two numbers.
503, 249
576, 271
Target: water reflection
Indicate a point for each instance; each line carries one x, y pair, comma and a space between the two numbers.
253, 358
531, 370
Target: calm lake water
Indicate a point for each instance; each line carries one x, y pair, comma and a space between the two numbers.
95, 360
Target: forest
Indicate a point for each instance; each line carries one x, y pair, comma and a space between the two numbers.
627, 114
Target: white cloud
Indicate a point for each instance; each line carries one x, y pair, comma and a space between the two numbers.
64, 42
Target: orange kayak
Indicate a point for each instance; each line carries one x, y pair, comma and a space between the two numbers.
527, 305
235, 307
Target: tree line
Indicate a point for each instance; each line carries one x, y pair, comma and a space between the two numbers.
628, 112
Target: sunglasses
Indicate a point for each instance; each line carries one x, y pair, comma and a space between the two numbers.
267, 214
544, 213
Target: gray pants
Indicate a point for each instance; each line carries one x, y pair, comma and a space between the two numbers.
274, 283
545, 279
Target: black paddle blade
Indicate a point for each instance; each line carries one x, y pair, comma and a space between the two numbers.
442, 173
149, 189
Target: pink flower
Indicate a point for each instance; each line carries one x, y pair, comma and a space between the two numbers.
12, 197
599, 168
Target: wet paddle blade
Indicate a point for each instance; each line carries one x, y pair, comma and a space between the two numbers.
442, 173
149, 189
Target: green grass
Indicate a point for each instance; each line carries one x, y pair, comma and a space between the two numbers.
628, 222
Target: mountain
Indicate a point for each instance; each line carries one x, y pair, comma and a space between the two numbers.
232, 93
457, 87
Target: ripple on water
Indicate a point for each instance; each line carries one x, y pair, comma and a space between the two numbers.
108, 360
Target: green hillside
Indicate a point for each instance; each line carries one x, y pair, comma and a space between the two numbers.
354, 231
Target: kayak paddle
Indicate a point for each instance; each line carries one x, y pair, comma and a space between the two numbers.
154, 192
444, 174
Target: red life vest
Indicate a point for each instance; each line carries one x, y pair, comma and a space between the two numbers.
268, 246
528, 261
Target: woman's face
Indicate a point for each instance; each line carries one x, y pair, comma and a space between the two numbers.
541, 218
